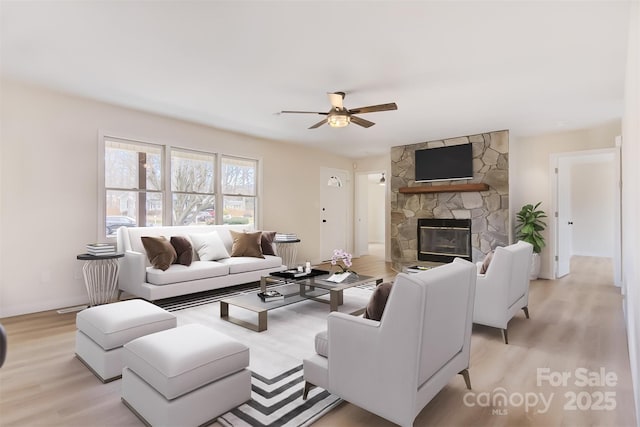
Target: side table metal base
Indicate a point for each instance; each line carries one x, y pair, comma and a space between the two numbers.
100, 277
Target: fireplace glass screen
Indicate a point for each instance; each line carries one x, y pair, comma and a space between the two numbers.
444, 240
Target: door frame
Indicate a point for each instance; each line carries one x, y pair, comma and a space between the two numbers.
553, 226
362, 192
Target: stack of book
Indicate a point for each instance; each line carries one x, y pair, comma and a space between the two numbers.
285, 237
98, 249
271, 295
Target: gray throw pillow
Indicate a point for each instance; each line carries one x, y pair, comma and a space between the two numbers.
183, 248
377, 302
485, 264
267, 242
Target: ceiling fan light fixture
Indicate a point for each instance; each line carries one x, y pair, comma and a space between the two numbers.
338, 120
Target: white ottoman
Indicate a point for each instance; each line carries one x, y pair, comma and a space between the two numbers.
186, 376
104, 329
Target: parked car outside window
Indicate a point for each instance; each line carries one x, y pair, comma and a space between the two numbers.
115, 222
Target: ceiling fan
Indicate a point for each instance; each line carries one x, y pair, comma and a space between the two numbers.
339, 116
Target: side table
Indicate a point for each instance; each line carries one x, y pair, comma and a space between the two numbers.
100, 276
288, 250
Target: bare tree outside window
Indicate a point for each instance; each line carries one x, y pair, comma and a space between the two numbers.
239, 188
193, 187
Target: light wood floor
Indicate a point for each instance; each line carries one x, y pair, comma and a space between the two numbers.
576, 322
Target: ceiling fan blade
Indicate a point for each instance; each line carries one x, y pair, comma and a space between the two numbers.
374, 108
302, 112
320, 123
362, 122
336, 99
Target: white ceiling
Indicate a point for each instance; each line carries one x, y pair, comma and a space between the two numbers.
454, 68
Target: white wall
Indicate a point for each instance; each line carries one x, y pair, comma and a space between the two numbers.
529, 171
592, 209
631, 200
49, 194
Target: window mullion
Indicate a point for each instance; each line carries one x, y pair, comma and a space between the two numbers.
167, 195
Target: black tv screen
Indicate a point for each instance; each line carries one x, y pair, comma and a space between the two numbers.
444, 163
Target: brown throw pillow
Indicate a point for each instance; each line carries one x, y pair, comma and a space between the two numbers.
485, 264
246, 244
267, 242
159, 251
184, 250
377, 302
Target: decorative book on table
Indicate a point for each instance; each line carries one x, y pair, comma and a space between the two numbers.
285, 237
270, 295
101, 249
338, 277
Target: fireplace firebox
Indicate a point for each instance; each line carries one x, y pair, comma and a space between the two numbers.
442, 240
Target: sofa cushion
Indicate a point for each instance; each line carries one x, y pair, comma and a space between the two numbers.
183, 248
246, 244
245, 264
181, 273
159, 251
266, 242
209, 246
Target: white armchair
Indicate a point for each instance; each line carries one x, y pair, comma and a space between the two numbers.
394, 367
504, 289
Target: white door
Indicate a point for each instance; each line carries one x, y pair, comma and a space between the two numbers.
563, 217
335, 190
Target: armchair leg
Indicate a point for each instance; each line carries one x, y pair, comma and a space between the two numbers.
307, 387
526, 311
465, 375
504, 336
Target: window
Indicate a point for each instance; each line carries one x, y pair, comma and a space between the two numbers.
150, 185
239, 190
133, 184
192, 187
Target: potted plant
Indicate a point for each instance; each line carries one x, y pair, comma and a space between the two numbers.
529, 229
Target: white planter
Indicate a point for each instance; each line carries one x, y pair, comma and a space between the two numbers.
535, 266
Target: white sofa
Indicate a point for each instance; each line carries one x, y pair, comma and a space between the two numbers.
139, 278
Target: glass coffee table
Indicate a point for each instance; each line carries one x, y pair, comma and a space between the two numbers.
294, 289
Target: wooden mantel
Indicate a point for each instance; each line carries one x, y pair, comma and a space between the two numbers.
454, 188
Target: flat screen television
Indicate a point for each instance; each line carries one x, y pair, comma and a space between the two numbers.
444, 163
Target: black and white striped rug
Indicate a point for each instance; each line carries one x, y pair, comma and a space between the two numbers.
276, 400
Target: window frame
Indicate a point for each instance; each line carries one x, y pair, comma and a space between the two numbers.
167, 191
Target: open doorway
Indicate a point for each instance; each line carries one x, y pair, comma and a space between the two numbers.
586, 220
371, 220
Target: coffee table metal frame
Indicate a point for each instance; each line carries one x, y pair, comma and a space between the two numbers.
295, 290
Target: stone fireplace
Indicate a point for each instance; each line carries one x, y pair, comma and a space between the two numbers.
442, 240
487, 209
